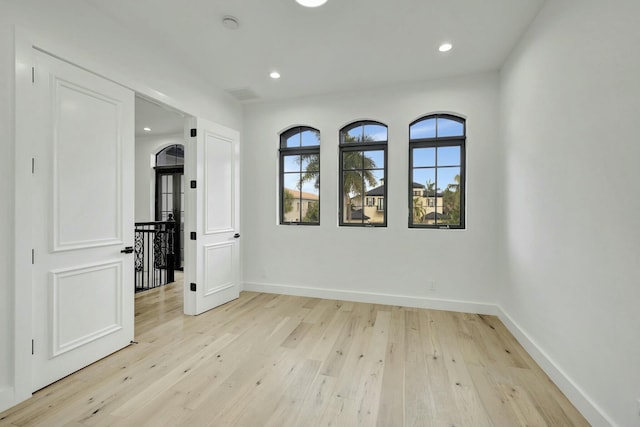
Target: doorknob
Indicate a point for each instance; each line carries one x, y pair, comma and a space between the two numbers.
127, 250
236, 236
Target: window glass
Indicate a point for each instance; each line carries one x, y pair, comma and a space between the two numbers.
300, 176
374, 159
448, 127
362, 172
172, 155
363, 132
436, 151
424, 156
310, 138
423, 129
292, 141
449, 156
375, 132
292, 163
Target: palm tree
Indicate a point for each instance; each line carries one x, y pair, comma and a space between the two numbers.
357, 173
430, 190
419, 210
451, 202
454, 187
312, 171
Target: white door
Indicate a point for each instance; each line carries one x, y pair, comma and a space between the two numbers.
212, 235
83, 218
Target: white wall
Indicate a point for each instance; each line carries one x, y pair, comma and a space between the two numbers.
146, 149
72, 30
570, 104
6, 208
77, 32
367, 262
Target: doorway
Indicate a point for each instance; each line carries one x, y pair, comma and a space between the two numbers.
169, 195
160, 148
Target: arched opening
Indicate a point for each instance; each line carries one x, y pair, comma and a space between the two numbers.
169, 197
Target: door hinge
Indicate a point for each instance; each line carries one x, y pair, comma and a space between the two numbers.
194, 133
33, 256
193, 235
192, 286
33, 165
33, 347
193, 184
33, 74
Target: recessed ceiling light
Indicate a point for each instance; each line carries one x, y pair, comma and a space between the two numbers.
445, 47
311, 3
230, 22
147, 129
274, 75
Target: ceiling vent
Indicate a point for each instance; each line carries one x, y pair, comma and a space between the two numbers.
243, 94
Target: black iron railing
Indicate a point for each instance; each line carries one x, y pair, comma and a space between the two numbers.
154, 256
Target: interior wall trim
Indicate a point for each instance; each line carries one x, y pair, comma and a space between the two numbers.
587, 407
375, 298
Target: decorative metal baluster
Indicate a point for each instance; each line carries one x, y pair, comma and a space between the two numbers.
154, 261
158, 255
138, 250
171, 263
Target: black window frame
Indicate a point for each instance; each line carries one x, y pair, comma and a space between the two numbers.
346, 147
285, 151
179, 149
438, 142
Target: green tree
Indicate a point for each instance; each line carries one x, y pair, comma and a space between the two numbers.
357, 174
430, 190
356, 168
312, 171
419, 211
313, 212
288, 200
451, 202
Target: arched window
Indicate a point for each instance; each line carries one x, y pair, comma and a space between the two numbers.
363, 164
437, 168
300, 176
173, 155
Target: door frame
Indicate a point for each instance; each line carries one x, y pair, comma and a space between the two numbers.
25, 43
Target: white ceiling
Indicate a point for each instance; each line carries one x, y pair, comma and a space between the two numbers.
343, 45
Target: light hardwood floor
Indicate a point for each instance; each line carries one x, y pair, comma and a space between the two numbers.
273, 360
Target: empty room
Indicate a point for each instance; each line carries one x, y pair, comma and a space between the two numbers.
308, 212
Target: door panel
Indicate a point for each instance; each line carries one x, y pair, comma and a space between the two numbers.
218, 175
95, 183
212, 261
83, 217
219, 266
72, 300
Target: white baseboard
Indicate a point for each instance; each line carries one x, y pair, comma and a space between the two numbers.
375, 298
589, 409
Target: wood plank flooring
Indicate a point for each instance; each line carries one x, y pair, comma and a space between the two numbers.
273, 360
